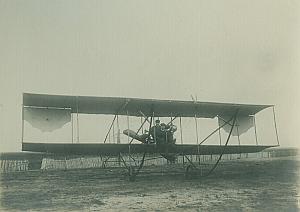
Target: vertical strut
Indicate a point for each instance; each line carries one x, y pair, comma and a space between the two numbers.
127, 116
154, 132
275, 125
198, 146
238, 134
118, 128
197, 136
129, 146
255, 130
196, 126
180, 125
113, 133
181, 140
220, 138
109, 129
22, 124
77, 120
72, 130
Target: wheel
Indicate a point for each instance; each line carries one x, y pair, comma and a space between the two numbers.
190, 171
131, 173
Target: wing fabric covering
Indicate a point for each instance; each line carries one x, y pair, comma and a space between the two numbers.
136, 107
242, 125
47, 120
116, 149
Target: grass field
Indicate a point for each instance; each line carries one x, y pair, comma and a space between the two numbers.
238, 185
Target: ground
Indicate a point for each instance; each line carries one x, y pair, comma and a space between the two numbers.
239, 185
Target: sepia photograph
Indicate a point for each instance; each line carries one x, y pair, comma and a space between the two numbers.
147, 105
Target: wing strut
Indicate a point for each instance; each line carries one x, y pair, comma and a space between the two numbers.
131, 171
223, 151
228, 138
225, 123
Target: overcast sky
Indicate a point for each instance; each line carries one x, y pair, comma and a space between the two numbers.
225, 51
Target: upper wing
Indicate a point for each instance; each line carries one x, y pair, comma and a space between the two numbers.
137, 107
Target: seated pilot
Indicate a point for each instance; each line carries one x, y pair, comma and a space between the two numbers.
156, 133
169, 133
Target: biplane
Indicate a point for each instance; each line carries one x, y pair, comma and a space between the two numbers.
159, 138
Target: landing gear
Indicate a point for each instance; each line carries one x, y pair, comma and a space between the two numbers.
131, 174
189, 171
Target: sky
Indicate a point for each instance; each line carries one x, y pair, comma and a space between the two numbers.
238, 51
